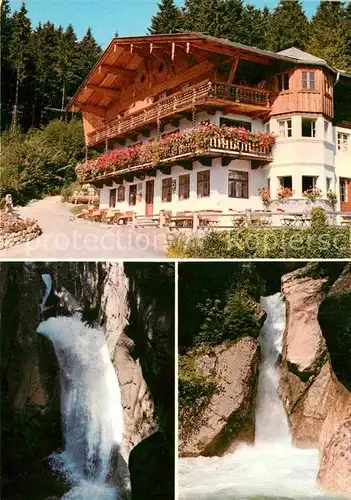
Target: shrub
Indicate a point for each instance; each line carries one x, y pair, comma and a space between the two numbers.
319, 242
193, 385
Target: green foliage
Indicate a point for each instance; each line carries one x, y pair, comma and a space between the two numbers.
288, 26
41, 161
42, 68
330, 29
228, 320
166, 20
318, 242
192, 385
319, 221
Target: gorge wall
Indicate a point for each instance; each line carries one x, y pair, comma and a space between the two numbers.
315, 370
139, 327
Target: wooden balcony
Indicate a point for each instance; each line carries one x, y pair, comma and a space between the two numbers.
227, 149
204, 94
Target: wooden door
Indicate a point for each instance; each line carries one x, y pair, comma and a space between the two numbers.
149, 198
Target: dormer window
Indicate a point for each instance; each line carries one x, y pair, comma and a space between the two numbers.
308, 80
283, 81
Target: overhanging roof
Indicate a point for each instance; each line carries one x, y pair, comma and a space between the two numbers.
123, 56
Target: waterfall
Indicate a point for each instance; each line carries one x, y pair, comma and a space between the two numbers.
91, 409
271, 422
272, 468
47, 280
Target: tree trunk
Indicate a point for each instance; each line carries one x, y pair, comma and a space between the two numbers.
15, 107
63, 96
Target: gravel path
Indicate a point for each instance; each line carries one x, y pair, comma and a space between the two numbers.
63, 238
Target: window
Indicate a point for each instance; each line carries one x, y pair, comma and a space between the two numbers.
132, 194
328, 184
286, 181
308, 127
167, 190
121, 193
285, 128
112, 202
228, 122
203, 183
344, 190
283, 81
308, 80
328, 84
308, 182
184, 186
238, 184
343, 141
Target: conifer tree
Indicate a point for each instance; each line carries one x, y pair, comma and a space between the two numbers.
89, 52
166, 20
67, 62
44, 50
19, 52
330, 37
254, 23
6, 69
288, 26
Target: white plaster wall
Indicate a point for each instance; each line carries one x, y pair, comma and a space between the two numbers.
218, 199
299, 156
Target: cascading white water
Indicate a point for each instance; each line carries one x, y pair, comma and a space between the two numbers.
91, 409
272, 468
271, 421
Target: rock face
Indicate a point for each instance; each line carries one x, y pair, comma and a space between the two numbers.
30, 403
305, 384
335, 443
335, 438
304, 343
229, 416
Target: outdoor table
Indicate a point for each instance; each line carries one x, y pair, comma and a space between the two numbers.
295, 219
182, 220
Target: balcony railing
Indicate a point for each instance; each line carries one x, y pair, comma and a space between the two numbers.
206, 92
186, 147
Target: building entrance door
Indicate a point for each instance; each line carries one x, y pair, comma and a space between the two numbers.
149, 198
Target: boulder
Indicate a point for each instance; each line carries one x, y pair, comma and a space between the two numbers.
304, 344
307, 404
151, 465
229, 416
335, 443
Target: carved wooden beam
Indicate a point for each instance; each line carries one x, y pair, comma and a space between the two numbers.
140, 176
108, 91
233, 69
115, 70
225, 161
129, 177
151, 172
165, 169
206, 161
95, 110
186, 164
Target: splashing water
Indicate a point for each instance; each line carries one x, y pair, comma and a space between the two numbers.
272, 468
90, 406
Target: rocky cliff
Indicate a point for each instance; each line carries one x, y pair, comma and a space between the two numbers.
137, 321
315, 370
229, 415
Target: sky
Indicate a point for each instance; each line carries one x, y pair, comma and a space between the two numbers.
105, 17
